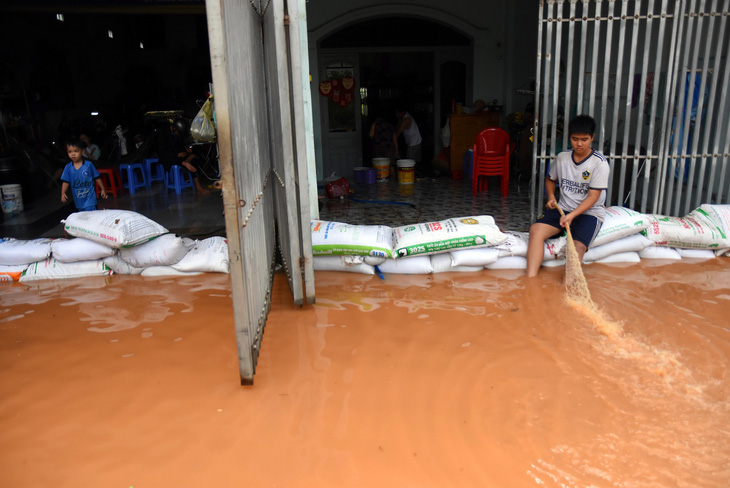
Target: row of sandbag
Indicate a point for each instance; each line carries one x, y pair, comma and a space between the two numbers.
103, 242
626, 236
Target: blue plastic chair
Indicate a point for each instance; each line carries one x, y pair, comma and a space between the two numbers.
176, 179
133, 176
154, 169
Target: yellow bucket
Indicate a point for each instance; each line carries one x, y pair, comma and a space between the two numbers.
382, 168
406, 171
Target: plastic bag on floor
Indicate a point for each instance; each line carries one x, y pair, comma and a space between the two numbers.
15, 252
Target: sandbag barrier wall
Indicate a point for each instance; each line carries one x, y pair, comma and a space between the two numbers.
626, 236
105, 242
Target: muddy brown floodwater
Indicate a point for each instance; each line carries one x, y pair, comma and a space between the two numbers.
453, 380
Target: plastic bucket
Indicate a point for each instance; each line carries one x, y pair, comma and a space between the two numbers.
382, 168
406, 171
360, 174
12, 199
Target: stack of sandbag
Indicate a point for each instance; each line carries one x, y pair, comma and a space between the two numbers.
103, 242
626, 236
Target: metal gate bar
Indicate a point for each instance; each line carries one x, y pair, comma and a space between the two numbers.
643, 116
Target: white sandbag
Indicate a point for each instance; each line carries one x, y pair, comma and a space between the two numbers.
79, 249
620, 222
167, 271
631, 257
17, 251
120, 266
114, 228
473, 257
374, 260
718, 215
693, 231
697, 253
10, 273
659, 252
164, 250
53, 269
555, 248
515, 245
207, 255
351, 264
338, 238
634, 243
456, 233
410, 265
553, 263
442, 263
508, 262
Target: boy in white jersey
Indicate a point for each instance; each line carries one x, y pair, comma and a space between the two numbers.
582, 174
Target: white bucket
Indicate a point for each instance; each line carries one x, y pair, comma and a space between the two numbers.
406, 171
12, 199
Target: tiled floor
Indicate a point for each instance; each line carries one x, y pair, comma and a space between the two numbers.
388, 203
430, 199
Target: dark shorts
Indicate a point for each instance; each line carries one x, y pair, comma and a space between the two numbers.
583, 228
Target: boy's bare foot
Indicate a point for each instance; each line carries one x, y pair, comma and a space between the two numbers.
201, 190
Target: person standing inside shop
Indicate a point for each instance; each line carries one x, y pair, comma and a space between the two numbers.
408, 127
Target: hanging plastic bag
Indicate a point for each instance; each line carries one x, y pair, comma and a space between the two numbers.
202, 128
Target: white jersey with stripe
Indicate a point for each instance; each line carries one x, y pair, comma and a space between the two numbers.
576, 178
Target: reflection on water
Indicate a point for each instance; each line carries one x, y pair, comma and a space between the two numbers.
485, 379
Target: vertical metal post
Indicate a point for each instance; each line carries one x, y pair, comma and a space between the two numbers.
688, 83
582, 57
569, 72
642, 97
699, 128
720, 116
546, 98
535, 199
594, 60
652, 117
556, 77
672, 62
625, 157
617, 106
606, 82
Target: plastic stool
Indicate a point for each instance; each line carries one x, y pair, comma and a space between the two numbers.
135, 177
175, 179
154, 169
112, 181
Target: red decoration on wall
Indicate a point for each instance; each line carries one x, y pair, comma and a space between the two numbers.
348, 83
325, 88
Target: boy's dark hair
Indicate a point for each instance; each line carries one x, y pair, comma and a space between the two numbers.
582, 124
75, 142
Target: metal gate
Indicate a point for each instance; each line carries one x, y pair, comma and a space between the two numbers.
653, 73
260, 100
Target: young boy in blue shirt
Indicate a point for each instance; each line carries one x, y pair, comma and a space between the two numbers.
80, 175
582, 174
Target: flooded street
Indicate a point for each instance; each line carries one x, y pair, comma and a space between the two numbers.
448, 380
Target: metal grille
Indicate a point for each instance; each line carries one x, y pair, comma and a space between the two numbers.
652, 73
255, 137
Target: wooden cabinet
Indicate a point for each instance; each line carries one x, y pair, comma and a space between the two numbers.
464, 130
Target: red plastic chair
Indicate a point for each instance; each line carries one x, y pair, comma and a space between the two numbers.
492, 149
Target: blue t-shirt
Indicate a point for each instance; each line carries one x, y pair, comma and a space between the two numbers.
82, 184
